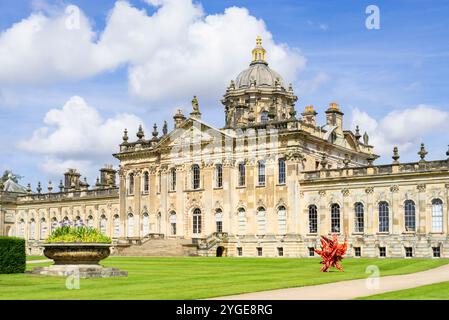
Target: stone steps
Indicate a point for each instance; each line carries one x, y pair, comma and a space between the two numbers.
159, 248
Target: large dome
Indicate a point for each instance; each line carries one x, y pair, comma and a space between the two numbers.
261, 74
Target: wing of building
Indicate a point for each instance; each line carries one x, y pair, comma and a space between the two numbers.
269, 183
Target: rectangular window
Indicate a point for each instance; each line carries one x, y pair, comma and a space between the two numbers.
313, 219
196, 177
219, 176
382, 252
280, 252
357, 252
408, 252
281, 168
436, 252
173, 228
311, 252
384, 221
241, 174
219, 226
359, 223
261, 169
259, 252
437, 215
335, 218
146, 183
239, 251
173, 180
131, 184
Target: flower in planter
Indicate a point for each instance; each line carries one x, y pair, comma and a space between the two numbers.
77, 234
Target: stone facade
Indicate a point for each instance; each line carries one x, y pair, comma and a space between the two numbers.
268, 183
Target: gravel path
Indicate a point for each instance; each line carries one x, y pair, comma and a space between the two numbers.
351, 289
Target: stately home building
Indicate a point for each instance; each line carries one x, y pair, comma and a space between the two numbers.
269, 183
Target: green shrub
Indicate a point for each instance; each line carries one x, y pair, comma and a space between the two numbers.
80, 234
12, 255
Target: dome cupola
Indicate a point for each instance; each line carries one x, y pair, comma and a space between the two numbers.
258, 95
258, 74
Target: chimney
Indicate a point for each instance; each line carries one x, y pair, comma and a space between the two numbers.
309, 115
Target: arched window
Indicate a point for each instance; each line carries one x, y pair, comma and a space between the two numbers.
116, 226
78, 221
54, 224
261, 220
44, 229
409, 215
197, 221
219, 220
437, 215
359, 217
130, 229
103, 224
195, 176
21, 229
131, 184
218, 176
173, 223
384, 217
145, 224
242, 221
90, 221
173, 179
281, 170
282, 220
32, 229
242, 176
313, 219
335, 218
261, 172
146, 182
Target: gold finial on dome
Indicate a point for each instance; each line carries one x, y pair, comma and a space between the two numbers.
259, 51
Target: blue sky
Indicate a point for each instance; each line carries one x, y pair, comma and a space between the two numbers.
392, 81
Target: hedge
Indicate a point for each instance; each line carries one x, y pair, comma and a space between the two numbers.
12, 255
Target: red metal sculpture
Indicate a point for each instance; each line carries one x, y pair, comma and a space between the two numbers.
332, 253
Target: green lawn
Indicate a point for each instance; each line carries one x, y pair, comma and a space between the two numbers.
438, 291
31, 258
197, 277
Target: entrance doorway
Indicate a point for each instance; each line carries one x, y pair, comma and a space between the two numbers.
220, 251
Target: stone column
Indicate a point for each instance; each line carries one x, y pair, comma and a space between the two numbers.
137, 199
229, 203
369, 212
346, 224
180, 207
395, 212
323, 211
421, 219
164, 200
122, 202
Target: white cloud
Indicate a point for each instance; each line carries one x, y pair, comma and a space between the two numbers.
403, 128
310, 86
174, 53
76, 135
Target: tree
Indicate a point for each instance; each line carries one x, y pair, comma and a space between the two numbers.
14, 177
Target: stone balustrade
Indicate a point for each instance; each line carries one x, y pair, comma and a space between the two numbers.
416, 167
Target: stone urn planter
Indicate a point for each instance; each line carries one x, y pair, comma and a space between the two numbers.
77, 253
78, 259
